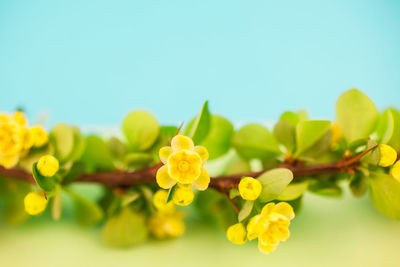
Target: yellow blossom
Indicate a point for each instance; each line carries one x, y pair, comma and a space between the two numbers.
182, 195
336, 134
166, 225
16, 139
236, 234
271, 226
249, 188
395, 171
388, 155
47, 165
159, 202
39, 136
34, 203
183, 165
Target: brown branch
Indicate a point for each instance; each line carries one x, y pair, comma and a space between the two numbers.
118, 179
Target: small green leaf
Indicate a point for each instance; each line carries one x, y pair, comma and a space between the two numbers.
198, 130
294, 118
273, 183
325, 188
356, 115
126, 228
97, 155
395, 140
385, 127
62, 136
308, 133
129, 198
293, 191
138, 159
47, 184
79, 144
218, 139
234, 192
385, 194
284, 132
373, 156
141, 129
255, 141
246, 210
358, 185
87, 212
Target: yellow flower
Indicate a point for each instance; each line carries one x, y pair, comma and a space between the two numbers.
271, 226
34, 203
249, 188
236, 234
47, 165
388, 155
20, 119
166, 225
159, 202
39, 136
182, 195
336, 134
183, 165
395, 171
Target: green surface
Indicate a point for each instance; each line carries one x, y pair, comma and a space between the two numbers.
328, 232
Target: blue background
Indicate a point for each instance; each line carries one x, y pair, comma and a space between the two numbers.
90, 62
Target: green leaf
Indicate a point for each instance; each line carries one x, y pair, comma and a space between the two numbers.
218, 139
138, 159
356, 115
62, 136
198, 130
325, 188
47, 184
141, 130
255, 141
293, 191
97, 155
395, 140
273, 183
308, 133
87, 212
127, 228
385, 127
294, 118
373, 156
385, 194
284, 132
358, 185
78, 146
246, 210
234, 192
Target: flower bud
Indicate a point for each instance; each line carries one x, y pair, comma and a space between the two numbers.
159, 201
249, 188
236, 234
47, 165
34, 203
388, 155
183, 195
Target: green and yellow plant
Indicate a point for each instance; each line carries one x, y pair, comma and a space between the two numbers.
258, 176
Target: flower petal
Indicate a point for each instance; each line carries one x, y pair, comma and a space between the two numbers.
253, 227
201, 183
266, 248
267, 209
164, 153
285, 209
203, 153
180, 142
163, 179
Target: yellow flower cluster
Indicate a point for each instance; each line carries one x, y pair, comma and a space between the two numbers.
167, 221
16, 138
183, 165
34, 203
271, 227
